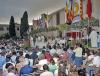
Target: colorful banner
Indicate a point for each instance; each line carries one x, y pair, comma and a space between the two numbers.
73, 9
44, 21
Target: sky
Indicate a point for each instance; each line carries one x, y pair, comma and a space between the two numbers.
34, 8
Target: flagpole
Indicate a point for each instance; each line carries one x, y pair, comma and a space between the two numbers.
88, 32
89, 13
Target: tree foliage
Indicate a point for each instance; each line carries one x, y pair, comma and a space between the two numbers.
24, 25
12, 31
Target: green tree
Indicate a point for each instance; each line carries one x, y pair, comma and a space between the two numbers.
12, 31
24, 25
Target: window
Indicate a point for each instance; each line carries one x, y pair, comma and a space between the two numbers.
57, 18
31, 29
1, 29
7, 28
17, 28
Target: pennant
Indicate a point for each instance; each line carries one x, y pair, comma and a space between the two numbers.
89, 8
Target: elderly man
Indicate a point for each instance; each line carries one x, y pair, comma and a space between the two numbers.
95, 65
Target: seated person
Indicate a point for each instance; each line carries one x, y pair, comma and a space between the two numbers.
41, 62
11, 71
52, 66
94, 65
46, 71
5, 68
26, 69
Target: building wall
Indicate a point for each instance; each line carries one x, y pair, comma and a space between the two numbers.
17, 28
62, 16
53, 19
3, 29
96, 11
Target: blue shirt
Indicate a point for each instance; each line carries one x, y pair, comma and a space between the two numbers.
34, 55
26, 70
2, 61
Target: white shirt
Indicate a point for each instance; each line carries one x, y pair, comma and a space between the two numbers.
52, 51
13, 58
78, 52
42, 62
46, 73
96, 61
56, 72
90, 58
11, 74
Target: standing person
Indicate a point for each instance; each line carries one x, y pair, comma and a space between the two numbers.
34, 40
45, 39
98, 39
46, 71
70, 55
93, 37
19, 56
2, 60
34, 56
31, 41
78, 55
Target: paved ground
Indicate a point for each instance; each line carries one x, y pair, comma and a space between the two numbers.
40, 44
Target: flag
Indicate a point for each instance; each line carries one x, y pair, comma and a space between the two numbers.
69, 11
76, 19
81, 9
66, 11
35, 23
89, 8
46, 20
40, 22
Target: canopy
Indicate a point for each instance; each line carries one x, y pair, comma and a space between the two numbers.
74, 34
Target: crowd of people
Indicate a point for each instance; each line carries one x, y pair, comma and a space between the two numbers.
58, 59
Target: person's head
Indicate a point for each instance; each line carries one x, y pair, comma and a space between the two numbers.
49, 47
56, 55
44, 47
20, 53
98, 33
97, 53
72, 48
13, 53
54, 46
11, 69
77, 45
45, 67
93, 29
7, 65
52, 61
2, 53
43, 51
91, 52
21, 59
27, 56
